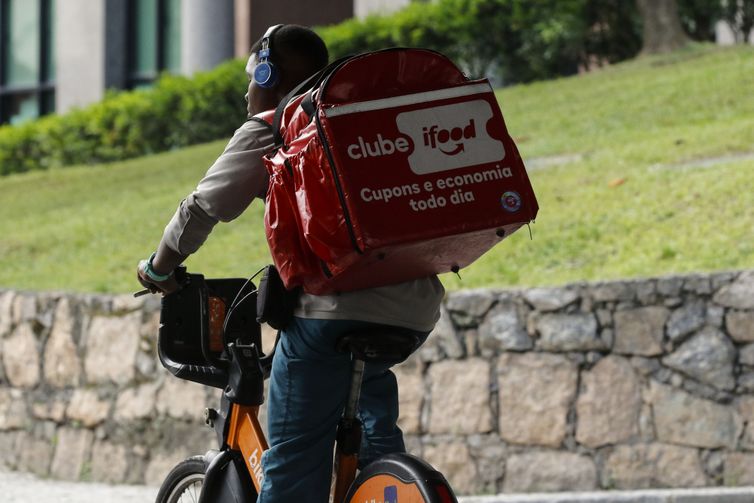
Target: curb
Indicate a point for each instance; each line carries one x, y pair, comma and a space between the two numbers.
706, 495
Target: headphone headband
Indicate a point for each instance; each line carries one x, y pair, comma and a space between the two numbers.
265, 73
264, 51
271, 31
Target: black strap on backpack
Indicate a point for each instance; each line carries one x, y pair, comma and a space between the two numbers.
309, 84
261, 121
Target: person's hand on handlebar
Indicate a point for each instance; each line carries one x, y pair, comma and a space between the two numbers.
157, 272
153, 280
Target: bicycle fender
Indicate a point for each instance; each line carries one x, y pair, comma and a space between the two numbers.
227, 479
382, 479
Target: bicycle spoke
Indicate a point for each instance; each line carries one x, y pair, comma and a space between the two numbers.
192, 492
189, 493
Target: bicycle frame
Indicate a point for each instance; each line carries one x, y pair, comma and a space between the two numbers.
243, 433
246, 436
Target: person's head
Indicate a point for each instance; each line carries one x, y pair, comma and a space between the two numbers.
296, 52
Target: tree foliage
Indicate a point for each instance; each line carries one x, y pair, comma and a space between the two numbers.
523, 40
698, 18
510, 40
613, 30
740, 16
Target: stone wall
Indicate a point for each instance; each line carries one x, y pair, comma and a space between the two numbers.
83, 396
647, 383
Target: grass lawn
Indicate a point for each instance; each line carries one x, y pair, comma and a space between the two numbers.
622, 196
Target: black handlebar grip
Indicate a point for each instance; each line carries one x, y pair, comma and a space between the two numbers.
202, 374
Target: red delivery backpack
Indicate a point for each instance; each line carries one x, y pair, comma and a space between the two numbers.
389, 166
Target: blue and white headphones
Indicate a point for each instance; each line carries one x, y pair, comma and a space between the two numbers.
265, 73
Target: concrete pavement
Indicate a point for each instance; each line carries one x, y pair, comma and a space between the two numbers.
18, 487
23, 488
706, 495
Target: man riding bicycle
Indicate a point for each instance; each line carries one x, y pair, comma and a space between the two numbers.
309, 377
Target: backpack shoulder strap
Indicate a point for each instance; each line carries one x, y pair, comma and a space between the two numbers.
264, 118
310, 83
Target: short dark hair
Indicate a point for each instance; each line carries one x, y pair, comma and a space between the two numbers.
296, 50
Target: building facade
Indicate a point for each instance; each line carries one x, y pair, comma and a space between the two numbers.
27, 62
59, 54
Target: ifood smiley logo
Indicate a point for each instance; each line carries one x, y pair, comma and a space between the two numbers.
450, 137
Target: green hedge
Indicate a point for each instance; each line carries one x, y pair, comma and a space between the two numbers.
176, 112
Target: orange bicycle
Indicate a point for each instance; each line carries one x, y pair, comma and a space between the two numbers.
210, 339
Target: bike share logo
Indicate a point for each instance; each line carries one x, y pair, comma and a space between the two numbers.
443, 138
390, 495
256, 466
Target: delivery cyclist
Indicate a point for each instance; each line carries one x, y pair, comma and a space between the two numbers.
309, 378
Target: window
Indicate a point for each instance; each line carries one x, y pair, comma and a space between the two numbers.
27, 64
154, 40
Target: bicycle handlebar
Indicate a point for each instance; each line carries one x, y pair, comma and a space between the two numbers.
202, 374
203, 364
180, 276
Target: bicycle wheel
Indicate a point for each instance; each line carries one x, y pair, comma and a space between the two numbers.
184, 482
400, 478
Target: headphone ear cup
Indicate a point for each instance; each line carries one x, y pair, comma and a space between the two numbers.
265, 74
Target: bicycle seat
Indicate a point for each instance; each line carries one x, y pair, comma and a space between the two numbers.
380, 345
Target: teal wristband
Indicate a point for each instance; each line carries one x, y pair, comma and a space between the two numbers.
149, 270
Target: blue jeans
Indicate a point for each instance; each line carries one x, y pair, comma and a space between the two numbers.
308, 387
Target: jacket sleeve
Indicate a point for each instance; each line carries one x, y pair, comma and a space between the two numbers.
227, 189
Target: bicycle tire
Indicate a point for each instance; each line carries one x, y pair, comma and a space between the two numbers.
400, 477
184, 480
